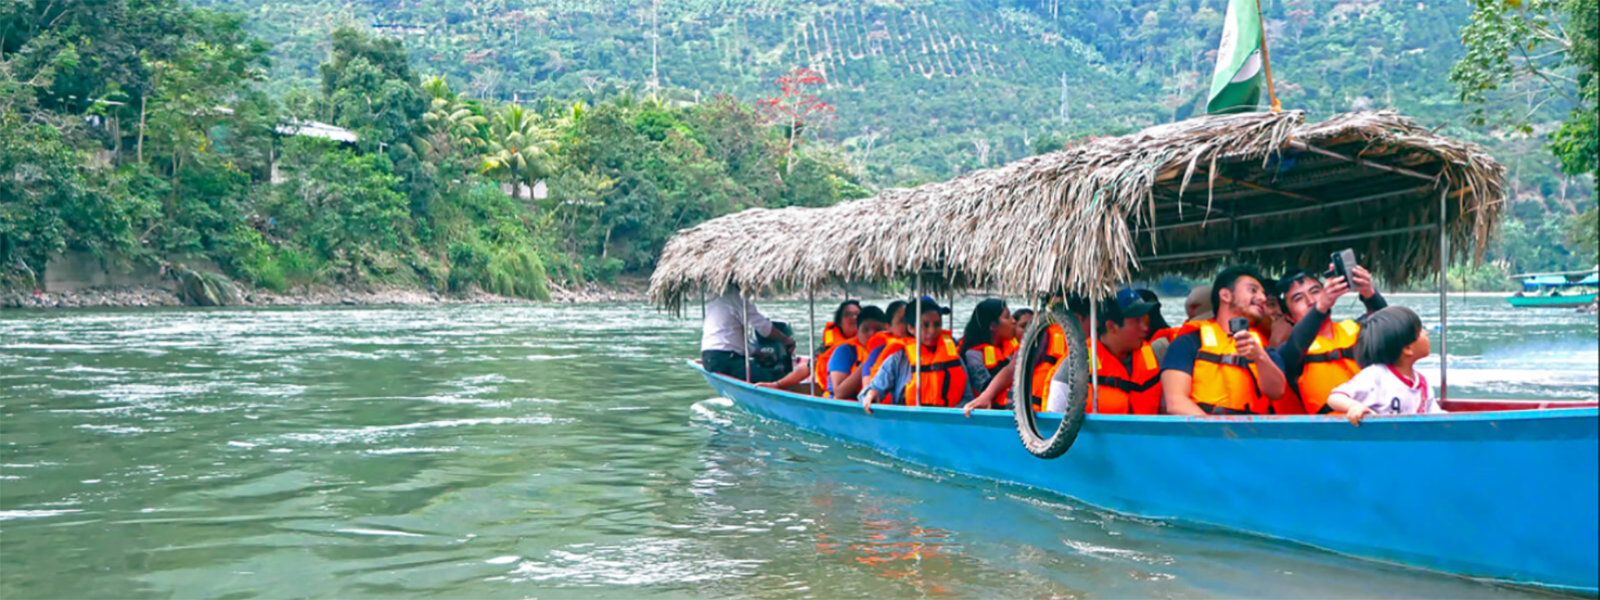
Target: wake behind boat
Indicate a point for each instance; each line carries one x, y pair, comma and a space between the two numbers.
1508, 491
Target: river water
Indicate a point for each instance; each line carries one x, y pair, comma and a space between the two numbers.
565, 451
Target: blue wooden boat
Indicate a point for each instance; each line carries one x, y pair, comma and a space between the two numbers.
1502, 495
1505, 491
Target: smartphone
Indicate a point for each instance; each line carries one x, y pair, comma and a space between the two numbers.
1238, 324
1343, 261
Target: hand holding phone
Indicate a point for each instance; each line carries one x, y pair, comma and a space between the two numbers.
1341, 263
1238, 324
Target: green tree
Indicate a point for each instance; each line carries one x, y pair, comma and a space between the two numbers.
520, 147
1548, 47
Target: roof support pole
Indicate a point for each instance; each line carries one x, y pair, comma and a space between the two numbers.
1444, 285
744, 331
916, 353
1094, 352
1299, 145
811, 331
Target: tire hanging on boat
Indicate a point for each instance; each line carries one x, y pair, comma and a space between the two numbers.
1073, 372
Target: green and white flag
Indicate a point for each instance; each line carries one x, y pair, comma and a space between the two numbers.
1236, 86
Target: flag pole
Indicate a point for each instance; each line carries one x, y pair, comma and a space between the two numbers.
1266, 60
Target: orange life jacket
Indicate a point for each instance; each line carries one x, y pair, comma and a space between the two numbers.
939, 379
1121, 392
831, 339
1055, 350
1222, 378
1328, 364
1165, 334
891, 345
995, 360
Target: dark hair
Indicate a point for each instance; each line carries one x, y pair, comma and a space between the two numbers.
1227, 278
872, 313
1281, 290
1022, 312
1385, 334
984, 316
893, 308
838, 313
1157, 322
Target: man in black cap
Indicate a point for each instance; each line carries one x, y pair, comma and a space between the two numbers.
1129, 374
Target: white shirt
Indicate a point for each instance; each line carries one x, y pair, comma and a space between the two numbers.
724, 328
1384, 391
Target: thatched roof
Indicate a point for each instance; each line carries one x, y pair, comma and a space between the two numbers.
1181, 198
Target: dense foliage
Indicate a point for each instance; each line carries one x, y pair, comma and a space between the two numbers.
161, 146
506, 142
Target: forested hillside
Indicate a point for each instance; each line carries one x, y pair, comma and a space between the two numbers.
925, 89
501, 141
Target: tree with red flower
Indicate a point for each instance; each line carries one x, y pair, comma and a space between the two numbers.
797, 107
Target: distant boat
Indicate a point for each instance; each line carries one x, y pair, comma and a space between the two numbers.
1566, 289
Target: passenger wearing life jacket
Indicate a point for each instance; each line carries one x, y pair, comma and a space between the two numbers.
844, 366
896, 339
987, 346
1319, 354
837, 332
1214, 370
1128, 374
1023, 316
925, 374
1052, 351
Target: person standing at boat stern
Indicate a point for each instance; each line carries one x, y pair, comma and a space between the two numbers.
929, 374
724, 341
1320, 353
1224, 368
987, 346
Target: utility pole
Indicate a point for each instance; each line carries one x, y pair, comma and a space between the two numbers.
1066, 108
655, 38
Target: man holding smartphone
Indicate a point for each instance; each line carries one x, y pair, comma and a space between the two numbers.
1224, 368
1319, 353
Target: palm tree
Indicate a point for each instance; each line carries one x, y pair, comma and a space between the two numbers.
520, 147
451, 123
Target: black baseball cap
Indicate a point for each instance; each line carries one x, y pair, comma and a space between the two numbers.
1130, 305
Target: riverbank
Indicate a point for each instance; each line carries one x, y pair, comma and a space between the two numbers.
142, 296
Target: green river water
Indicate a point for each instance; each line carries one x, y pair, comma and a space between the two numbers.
565, 451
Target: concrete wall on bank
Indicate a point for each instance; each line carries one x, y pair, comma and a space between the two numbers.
73, 271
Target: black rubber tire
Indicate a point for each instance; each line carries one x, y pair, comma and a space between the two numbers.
1073, 373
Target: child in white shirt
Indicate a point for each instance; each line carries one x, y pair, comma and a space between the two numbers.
1388, 347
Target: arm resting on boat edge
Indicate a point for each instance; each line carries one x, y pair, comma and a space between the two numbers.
1001, 381
1353, 410
799, 374
895, 369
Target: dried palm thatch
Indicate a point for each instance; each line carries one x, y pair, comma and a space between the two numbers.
1180, 198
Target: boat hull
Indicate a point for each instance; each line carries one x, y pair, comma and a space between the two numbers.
1510, 496
1573, 301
